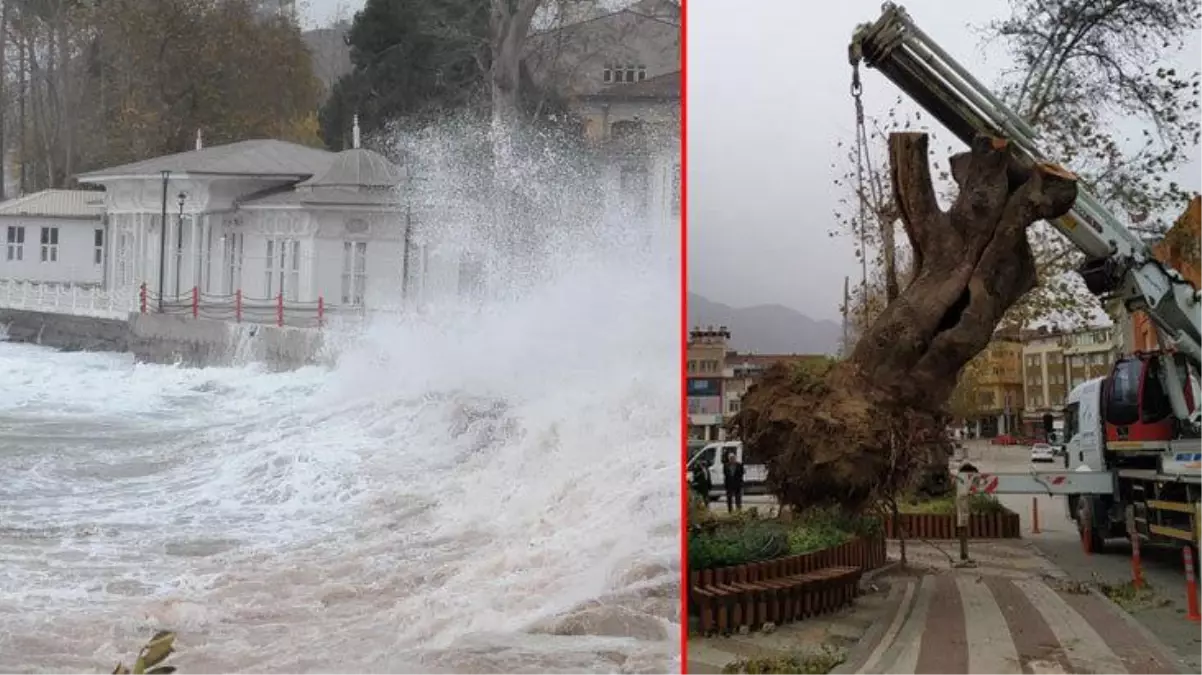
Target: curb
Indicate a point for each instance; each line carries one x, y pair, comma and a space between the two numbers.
871, 639
1135, 625
889, 566
1132, 622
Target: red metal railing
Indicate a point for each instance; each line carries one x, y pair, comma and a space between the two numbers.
236, 307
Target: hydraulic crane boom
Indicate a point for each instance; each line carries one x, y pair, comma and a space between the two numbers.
1117, 261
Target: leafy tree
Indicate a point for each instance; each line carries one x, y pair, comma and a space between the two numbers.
411, 58
101, 83
209, 65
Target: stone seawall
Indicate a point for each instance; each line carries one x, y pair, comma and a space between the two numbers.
169, 339
165, 338
65, 331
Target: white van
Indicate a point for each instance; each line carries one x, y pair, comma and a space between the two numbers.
754, 474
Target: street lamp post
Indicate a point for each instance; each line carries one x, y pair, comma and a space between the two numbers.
179, 242
163, 241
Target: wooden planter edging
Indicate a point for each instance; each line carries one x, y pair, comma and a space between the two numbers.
783, 589
1003, 525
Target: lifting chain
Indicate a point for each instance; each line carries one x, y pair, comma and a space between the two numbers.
861, 150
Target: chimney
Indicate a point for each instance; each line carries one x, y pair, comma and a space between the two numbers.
355, 133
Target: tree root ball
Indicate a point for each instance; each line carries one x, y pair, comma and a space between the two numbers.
861, 430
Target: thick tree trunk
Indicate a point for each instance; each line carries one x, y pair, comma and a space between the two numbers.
836, 439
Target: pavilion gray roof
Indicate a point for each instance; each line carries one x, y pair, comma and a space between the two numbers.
86, 204
265, 157
357, 168
322, 196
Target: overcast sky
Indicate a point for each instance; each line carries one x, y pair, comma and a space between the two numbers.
768, 99
322, 12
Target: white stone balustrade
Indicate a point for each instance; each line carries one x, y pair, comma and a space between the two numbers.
67, 299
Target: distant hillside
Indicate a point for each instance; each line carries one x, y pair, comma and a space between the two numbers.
767, 329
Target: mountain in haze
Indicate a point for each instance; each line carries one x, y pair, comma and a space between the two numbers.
767, 329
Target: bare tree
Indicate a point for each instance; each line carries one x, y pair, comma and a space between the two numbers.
510, 24
1081, 66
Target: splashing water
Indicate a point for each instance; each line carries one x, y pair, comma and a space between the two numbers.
479, 488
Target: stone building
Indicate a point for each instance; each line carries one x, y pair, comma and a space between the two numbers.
998, 394
620, 73
1056, 361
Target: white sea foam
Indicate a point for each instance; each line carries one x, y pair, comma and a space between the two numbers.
483, 487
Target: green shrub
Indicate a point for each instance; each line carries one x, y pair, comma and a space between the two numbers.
737, 544
946, 505
744, 537
805, 539
852, 523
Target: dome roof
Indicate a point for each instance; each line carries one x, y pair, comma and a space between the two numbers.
358, 168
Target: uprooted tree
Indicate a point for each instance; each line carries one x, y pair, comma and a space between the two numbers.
865, 426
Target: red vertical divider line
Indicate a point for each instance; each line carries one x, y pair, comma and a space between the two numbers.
684, 332
195, 302
238, 305
279, 309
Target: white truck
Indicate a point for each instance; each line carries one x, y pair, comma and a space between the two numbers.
1132, 438
710, 455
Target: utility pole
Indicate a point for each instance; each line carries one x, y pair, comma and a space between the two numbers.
163, 241
846, 310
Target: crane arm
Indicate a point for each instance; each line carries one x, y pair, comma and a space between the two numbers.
1118, 262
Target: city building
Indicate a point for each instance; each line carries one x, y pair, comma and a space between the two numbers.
705, 366
1088, 354
718, 377
742, 371
1045, 383
1056, 361
637, 127
268, 218
997, 397
619, 72
54, 236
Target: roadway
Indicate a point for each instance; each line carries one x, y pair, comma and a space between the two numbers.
1058, 540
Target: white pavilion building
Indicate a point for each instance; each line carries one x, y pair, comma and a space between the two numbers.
268, 217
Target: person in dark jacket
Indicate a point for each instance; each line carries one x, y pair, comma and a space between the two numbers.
702, 483
732, 482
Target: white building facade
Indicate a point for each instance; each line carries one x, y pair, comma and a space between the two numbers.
54, 236
266, 222
619, 72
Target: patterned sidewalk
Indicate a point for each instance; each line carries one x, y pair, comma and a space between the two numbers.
961, 623
1015, 612
1012, 613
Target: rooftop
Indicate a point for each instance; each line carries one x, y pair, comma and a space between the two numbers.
56, 204
264, 157
357, 168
